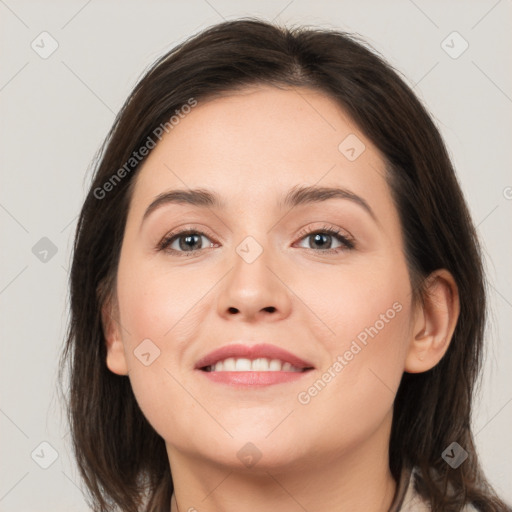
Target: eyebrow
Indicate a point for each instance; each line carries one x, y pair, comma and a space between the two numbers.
298, 195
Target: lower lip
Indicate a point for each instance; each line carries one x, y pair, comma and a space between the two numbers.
250, 379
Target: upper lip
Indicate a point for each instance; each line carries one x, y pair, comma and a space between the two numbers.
261, 350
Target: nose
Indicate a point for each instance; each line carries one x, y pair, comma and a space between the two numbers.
255, 290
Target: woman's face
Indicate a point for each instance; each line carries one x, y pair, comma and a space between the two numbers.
259, 269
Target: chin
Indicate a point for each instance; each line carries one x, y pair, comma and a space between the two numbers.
279, 449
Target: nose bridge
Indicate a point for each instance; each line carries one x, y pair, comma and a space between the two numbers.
251, 263
252, 288
253, 236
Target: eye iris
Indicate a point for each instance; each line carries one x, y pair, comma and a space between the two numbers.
189, 241
318, 237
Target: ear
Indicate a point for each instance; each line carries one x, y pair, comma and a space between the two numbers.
435, 321
116, 360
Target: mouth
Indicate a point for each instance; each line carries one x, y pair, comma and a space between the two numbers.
261, 364
252, 365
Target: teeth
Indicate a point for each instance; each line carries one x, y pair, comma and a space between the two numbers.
229, 365
275, 365
261, 364
243, 365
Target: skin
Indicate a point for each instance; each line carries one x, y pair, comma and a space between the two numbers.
328, 454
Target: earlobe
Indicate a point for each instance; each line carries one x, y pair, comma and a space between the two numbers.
116, 359
435, 323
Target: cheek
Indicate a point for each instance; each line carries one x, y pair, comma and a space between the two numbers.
367, 300
365, 314
370, 316
160, 305
160, 312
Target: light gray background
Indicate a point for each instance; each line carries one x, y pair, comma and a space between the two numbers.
56, 111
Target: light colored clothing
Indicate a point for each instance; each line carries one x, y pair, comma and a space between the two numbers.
409, 500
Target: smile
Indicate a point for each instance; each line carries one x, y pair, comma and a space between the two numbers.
261, 364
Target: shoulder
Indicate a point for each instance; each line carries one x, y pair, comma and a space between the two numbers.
413, 502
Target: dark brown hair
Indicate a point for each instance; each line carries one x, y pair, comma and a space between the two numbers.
121, 458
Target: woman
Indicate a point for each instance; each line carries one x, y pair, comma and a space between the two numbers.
277, 296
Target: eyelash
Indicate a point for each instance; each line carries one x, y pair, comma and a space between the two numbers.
348, 242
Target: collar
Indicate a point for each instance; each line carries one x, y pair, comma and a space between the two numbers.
407, 498
404, 489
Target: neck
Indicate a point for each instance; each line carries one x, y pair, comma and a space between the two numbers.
357, 480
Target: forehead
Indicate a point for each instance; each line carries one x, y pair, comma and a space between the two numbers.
257, 143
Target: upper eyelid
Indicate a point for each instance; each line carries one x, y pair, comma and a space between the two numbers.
304, 231
308, 230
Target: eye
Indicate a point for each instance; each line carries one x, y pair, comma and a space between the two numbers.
187, 242
323, 237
